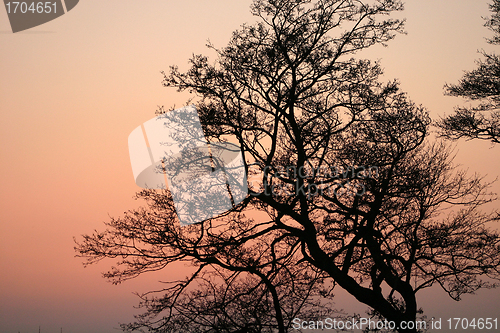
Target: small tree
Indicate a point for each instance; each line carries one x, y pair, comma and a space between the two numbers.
481, 84
344, 188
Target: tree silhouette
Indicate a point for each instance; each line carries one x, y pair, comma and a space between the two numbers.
481, 84
345, 189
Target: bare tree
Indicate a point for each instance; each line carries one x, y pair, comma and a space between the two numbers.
344, 188
483, 85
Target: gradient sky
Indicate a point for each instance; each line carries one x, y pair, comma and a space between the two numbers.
73, 89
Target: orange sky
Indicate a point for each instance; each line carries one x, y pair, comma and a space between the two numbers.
73, 89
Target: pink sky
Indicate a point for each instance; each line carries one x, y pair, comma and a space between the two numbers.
73, 89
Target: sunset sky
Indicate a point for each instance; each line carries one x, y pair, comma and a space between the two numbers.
72, 90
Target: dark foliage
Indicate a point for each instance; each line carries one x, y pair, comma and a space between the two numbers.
289, 92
